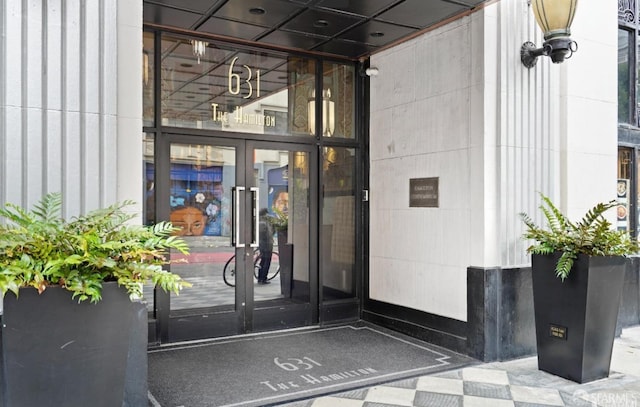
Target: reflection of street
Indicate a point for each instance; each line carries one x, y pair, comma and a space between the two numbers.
203, 269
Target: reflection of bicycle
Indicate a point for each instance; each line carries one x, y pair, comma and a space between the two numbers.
229, 271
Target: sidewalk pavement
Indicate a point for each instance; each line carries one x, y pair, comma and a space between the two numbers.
516, 383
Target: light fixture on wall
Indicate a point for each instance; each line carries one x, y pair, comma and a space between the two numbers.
199, 48
145, 67
554, 18
328, 113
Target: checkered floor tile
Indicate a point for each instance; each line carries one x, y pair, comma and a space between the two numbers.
469, 387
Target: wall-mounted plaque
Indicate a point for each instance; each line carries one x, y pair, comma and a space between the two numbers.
557, 331
423, 192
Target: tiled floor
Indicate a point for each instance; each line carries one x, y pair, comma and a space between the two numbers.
469, 387
516, 383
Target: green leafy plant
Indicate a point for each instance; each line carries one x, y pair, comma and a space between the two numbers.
593, 235
38, 248
280, 221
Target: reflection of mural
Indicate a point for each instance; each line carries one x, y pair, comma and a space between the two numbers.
281, 201
278, 180
190, 220
197, 188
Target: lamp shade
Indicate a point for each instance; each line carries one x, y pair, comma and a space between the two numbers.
554, 16
328, 114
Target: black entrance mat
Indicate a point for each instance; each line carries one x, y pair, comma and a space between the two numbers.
274, 368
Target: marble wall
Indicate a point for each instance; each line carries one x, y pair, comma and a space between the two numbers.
457, 104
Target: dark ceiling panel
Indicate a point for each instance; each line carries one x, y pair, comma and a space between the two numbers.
231, 28
321, 22
377, 33
349, 49
275, 12
169, 16
340, 27
367, 8
421, 13
198, 6
292, 40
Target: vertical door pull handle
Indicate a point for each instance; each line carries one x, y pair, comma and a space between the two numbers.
256, 216
236, 217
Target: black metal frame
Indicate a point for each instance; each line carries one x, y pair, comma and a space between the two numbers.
629, 133
162, 327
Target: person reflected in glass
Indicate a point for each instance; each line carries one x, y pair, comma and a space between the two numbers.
281, 203
265, 246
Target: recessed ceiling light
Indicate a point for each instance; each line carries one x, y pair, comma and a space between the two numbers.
377, 34
185, 65
257, 11
321, 23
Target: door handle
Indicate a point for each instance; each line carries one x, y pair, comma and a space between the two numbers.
256, 216
235, 238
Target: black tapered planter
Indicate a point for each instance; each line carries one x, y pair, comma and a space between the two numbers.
58, 352
576, 318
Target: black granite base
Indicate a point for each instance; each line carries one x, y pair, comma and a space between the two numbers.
273, 368
500, 322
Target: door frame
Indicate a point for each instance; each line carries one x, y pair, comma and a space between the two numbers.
264, 317
213, 322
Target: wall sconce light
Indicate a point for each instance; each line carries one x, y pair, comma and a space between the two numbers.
328, 113
199, 48
554, 18
145, 67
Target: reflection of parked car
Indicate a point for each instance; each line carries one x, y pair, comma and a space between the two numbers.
190, 220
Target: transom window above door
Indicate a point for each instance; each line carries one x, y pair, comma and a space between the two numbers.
205, 85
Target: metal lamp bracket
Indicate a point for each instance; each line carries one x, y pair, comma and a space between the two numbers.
529, 53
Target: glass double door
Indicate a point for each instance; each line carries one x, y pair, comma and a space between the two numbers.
247, 210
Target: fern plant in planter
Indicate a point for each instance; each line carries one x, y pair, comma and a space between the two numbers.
39, 249
593, 236
577, 275
72, 318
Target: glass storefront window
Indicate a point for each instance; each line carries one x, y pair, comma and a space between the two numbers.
149, 203
208, 86
149, 210
623, 77
338, 100
338, 224
624, 189
636, 102
147, 79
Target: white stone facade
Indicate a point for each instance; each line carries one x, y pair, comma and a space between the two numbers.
457, 104
454, 103
70, 104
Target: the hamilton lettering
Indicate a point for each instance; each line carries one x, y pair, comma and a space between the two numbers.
240, 117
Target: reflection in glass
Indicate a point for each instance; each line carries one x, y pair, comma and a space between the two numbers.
623, 77
236, 91
623, 187
338, 98
338, 224
149, 204
201, 181
147, 79
282, 178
